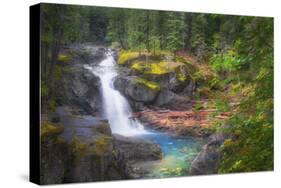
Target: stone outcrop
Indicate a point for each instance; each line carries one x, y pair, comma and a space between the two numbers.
136, 89
207, 160
92, 154
78, 87
137, 149
169, 86
133, 152
54, 150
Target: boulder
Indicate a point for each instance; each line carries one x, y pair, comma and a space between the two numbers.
79, 87
92, 160
165, 97
137, 89
137, 149
207, 160
175, 80
103, 128
135, 154
82, 90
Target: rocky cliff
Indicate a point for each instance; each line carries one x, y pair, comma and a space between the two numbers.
92, 153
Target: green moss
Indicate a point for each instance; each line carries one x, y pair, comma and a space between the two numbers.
181, 77
78, 147
99, 146
160, 68
64, 58
148, 84
51, 105
139, 66
152, 67
50, 130
125, 56
58, 72
102, 145
44, 90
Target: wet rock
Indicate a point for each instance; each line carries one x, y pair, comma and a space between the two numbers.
134, 154
82, 90
137, 149
207, 160
79, 87
103, 128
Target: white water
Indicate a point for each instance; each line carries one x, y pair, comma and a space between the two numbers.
115, 107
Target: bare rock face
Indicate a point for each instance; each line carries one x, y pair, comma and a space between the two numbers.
83, 91
79, 87
207, 160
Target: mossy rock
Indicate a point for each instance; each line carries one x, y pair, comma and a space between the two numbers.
78, 147
137, 89
101, 145
49, 130
148, 84
127, 56
151, 67
154, 67
64, 58
103, 128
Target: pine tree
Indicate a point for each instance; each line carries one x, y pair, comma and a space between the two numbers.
175, 36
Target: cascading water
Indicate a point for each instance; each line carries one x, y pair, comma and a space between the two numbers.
117, 110
115, 107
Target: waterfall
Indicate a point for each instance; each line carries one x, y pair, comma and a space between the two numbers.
115, 106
